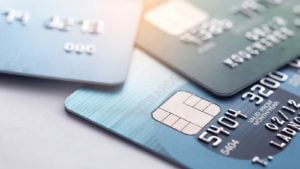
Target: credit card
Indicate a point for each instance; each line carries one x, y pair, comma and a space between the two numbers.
171, 117
224, 46
87, 41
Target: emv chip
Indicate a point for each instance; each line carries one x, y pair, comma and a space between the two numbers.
186, 112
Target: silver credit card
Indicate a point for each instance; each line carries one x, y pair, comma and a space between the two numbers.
82, 40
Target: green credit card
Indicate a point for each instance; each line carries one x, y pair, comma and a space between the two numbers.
224, 46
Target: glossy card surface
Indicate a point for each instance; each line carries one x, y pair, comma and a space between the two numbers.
167, 115
223, 46
82, 40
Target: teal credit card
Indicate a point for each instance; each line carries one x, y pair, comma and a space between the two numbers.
223, 46
170, 116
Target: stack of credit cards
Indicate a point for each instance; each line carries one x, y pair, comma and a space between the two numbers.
65, 40
222, 89
208, 50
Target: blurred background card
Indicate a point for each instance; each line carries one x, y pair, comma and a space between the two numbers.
82, 40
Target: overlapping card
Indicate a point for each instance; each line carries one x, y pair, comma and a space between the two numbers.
170, 116
223, 46
82, 40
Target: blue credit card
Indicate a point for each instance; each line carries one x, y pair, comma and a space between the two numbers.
168, 115
82, 40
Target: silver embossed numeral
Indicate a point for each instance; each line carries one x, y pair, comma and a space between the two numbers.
62, 24
92, 26
13, 15
79, 48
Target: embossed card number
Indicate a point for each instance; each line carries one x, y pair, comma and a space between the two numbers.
63, 24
